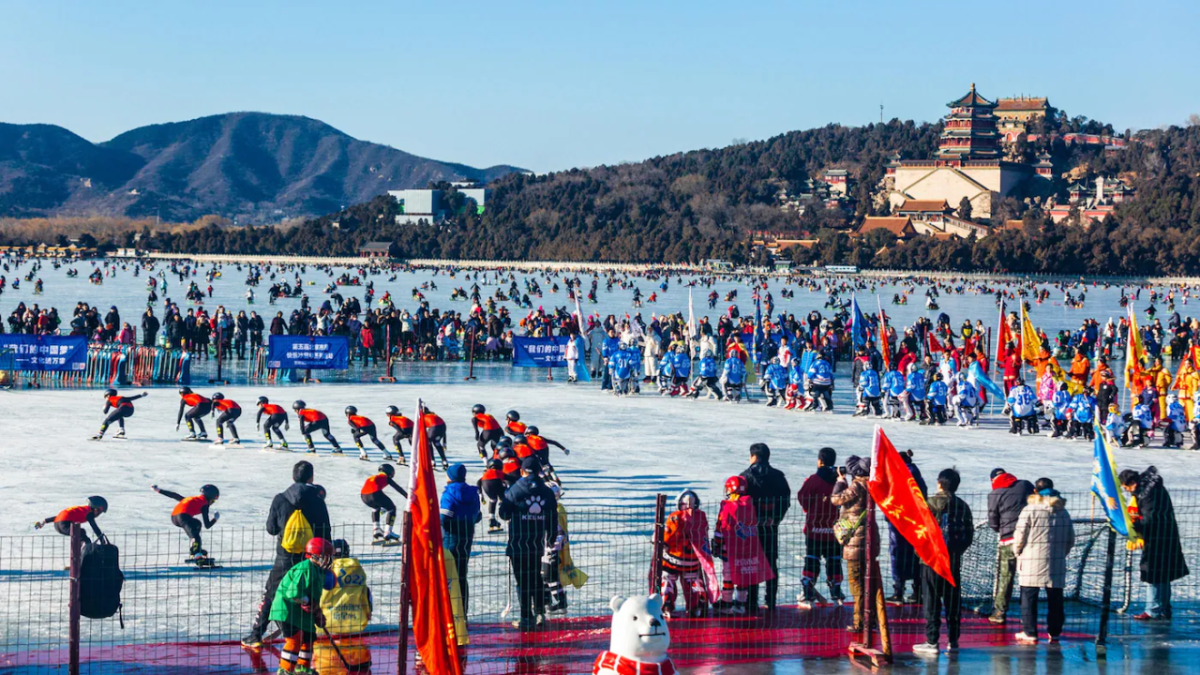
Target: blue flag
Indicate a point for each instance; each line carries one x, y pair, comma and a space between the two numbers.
1104, 486
758, 328
980, 379
858, 329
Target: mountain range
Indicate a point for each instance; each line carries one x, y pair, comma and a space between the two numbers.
258, 166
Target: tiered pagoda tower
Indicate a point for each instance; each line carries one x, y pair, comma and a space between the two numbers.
970, 130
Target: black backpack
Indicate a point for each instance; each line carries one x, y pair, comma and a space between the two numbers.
100, 581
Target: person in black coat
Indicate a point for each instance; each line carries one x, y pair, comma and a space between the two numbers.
532, 514
906, 564
1008, 496
768, 488
1162, 552
301, 496
150, 328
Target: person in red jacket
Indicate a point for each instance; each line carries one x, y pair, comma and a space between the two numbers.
78, 514
435, 430
200, 408
492, 484
313, 420
487, 429
820, 515
184, 515
276, 416
1012, 367
513, 425
373, 496
362, 426
404, 430
121, 407
540, 445
227, 412
685, 538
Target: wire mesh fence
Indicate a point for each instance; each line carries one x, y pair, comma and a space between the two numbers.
176, 617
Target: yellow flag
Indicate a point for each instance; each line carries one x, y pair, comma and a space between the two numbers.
1031, 344
1135, 353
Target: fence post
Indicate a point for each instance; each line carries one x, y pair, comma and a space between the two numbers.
471, 363
1128, 581
660, 515
73, 602
405, 597
1106, 602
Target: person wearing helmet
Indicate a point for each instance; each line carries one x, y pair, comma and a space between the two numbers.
276, 417
88, 513
492, 483
1021, 407
735, 540
313, 420
200, 407
459, 507
227, 412
348, 607
513, 425
1083, 406
707, 377
116, 409
184, 515
404, 429
685, 540
296, 608
1174, 423
540, 447
372, 495
363, 426
775, 382
819, 380
487, 430
435, 431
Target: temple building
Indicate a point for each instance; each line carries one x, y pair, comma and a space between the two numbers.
1014, 114
968, 162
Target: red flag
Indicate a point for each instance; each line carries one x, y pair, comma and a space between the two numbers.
896, 494
432, 614
935, 347
883, 343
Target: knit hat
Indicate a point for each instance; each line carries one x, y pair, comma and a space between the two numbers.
531, 464
996, 472
457, 473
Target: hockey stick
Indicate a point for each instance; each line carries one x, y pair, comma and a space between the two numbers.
336, 650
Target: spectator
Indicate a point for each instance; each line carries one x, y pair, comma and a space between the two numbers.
958, 531
905, 563
819, 517
772, 497
1043, 537
1009, 495
460, 513
531, 510
309, 500
850, 494
1162, 552
150, 328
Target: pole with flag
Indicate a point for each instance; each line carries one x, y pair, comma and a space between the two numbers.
1104, 486
858, 327
433, 624
883, 341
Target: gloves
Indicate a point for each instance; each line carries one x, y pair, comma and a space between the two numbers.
305, 604
566, 451
155, 488
319, 618
176, 426
39, 525
215, 517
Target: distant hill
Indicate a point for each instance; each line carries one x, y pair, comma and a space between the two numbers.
259, 166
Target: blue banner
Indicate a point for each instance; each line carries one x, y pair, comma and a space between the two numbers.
47, 352
318, 352
546, 352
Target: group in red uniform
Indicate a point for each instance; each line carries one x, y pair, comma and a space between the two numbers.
373, 496
227, 412
184, 515
312, 420
78, 515
363, 426
276, 417
197, 407
116, 409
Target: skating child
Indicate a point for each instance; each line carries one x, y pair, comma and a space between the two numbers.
914, 387
624, 373
363, 426
227, 412
276, 417
1083, 410
404, 431
818, 380
312, 421
435, 431
707, 377
513, 426
184, 515
1143, 421
121, 407
966, 400
870, 392
540, 447
372, 495
893, 384
1116, 426
347, 608
200, 408
87, 513
1061, 406
736, 542
1174, 423
487, 430
734, 374
492, 487
666, 375
936, 399
682, 362
297, 606
795, 401
1021, 407
774, 382
685, 539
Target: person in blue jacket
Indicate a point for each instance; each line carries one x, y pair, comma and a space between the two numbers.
460, 512
623, 372
819, 381
1083, 411
914, 385
938, 392
795, 385
893, 384
1174, 424
735, 378
870, 391
682, 362
1143, 418
706, 377
775, 382
666, 374
1061, 403
611, 345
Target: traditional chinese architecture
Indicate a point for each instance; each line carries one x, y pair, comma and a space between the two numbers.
900, 226
1092, 201
1013, 115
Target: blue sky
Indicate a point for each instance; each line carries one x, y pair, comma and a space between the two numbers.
552, 85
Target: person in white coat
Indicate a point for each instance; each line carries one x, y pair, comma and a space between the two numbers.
1043, 539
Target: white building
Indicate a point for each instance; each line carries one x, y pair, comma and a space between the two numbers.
429, 205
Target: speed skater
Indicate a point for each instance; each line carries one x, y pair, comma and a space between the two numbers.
200, 408
513, 426
363, 426
276, 416
86, 513
184, 515
540, 445
435, 431
227, 412
373, 496
121, 407
403, 427
487, 429
313, 420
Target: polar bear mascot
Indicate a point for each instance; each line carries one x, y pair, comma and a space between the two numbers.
639, 639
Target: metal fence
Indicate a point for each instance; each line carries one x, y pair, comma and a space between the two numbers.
176, 618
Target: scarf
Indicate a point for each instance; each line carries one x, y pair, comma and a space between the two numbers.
626, 666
